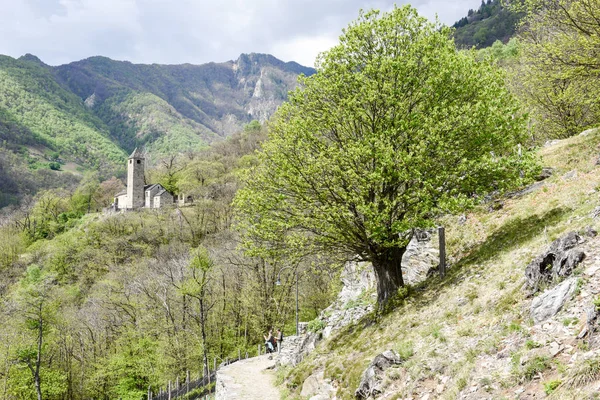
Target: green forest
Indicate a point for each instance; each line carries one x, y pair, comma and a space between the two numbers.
399, 128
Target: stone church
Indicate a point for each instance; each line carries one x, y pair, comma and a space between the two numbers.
138, 194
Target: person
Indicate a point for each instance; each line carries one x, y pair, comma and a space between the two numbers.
279, 339
269, 342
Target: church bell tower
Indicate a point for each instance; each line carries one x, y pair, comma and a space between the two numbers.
135, 180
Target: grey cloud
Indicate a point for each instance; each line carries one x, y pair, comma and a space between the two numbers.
194, 31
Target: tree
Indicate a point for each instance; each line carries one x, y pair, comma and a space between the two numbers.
558, 72
35, 303
396, 127
198, 288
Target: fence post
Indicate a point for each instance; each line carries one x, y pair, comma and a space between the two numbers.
169, 389
246, 355
239, 354
177, 383
259, 349
149, 393
442, 235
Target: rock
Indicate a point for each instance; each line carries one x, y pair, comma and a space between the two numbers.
295, 348
371, 378
570, 175
555, 349
558, 260
551, 301
551, 142
588, 132
315, 387
590, 232
320, 397
596, 212
545, 174
421, 255
529, 189
462, 219
358, 278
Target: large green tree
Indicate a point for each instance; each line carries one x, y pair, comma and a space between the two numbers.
557, 72
396, 127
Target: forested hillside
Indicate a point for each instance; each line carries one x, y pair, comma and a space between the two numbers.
58, 122
492, 21
179, 107
122, 302
369, 149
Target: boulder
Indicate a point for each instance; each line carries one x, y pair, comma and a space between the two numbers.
557, 261
316, 387
545, 174
421, 255
551, 301
371, 378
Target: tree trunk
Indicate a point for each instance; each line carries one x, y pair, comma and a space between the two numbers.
388, 272
38, 360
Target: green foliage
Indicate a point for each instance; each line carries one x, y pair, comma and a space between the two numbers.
374, 145
500, 52
557, 74
551, 386
405, 350
33, 102
533, 367
490, 23
316, 325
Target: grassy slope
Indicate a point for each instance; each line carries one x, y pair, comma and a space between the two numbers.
473, 327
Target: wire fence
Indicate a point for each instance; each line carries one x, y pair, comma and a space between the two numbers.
201, 388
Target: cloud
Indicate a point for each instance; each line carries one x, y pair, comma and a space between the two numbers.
194, 31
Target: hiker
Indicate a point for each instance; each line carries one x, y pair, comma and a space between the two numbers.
269, 342
279, 340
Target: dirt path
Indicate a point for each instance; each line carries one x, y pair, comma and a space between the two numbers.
248, 380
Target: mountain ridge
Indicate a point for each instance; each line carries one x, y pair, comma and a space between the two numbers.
93, 112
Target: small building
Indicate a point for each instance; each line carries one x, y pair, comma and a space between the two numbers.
138, 194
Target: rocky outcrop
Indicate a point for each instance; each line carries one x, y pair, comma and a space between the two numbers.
421, 256
371, 378
557, 261
552, 300
295, 348
355, 300
316, 387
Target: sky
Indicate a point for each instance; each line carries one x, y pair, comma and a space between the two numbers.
189, 31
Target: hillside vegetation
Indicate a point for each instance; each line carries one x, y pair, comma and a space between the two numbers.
58, 122
492, 21
180, 107
118, 302
398, 129
470, 335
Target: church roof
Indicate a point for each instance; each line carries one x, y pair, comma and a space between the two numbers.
137, 154
150, 187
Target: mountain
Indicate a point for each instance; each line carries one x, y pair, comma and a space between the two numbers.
89, 114
177, 107
482, 27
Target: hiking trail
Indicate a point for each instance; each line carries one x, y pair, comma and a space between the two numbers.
250, 379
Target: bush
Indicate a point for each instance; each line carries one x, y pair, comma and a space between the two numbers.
315, 325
